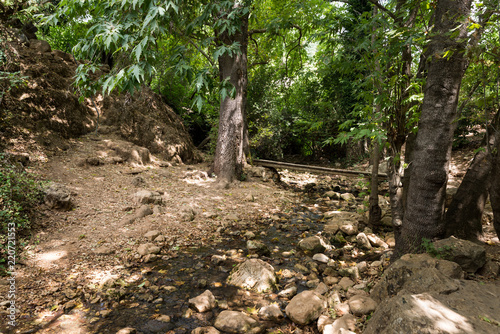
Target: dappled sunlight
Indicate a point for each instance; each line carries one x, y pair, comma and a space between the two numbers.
57, 322
101, 277
47, 259
200, 182
198, 178
443, 318
300, 179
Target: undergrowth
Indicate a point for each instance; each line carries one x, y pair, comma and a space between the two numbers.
439, 253
20, 193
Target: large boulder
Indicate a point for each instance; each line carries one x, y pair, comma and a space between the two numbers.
417, 273
305, 307
421, 294
467, 254
253, 274
464, 311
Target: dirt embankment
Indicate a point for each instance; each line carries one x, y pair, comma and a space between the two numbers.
39, 109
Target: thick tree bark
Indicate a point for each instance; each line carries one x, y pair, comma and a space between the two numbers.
232, 141
423, 217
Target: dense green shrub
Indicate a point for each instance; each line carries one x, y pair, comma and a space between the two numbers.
20, 193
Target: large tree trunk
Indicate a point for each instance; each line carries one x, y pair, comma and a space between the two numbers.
232, 141
431, 156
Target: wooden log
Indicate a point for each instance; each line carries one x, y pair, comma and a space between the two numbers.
313, 169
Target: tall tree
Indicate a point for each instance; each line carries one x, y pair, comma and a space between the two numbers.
232, 142
432, 151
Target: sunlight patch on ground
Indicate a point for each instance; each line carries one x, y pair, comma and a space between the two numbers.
47, 259
199, 178
200, 182
444, 318
301, 179
101, 277
74, 323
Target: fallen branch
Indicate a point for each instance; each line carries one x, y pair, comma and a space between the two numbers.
313, 169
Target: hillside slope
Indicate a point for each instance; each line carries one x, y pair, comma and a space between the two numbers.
39, 108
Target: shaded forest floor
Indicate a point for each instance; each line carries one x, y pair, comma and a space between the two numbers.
81, 272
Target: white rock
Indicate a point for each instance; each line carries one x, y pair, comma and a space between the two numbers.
254, 274
320, 257
204, 302
271, 312
305, 307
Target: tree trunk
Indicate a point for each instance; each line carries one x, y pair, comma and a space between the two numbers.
423, 217
464, 216
495, 192
375, 213
232, 141
397, 130
495, 177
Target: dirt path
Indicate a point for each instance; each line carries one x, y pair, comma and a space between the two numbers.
93, 242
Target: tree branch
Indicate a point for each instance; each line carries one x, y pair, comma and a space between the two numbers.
297, 45
210, 60
258, 63
256, 52
384, 9
257, 31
